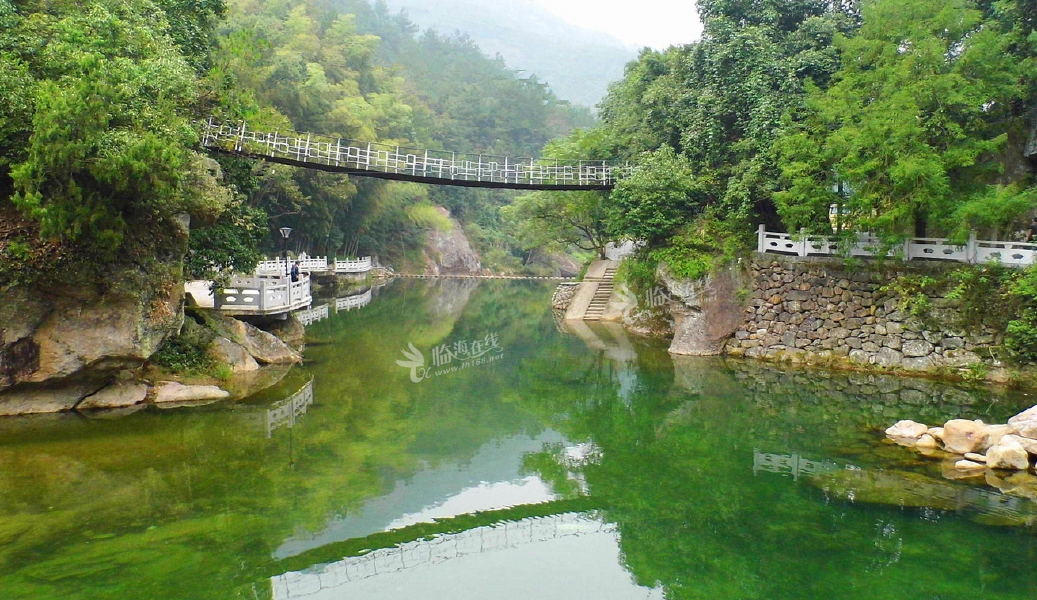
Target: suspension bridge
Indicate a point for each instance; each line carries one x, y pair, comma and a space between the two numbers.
370, 159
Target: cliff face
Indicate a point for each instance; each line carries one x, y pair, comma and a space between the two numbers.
449, 252
706, 312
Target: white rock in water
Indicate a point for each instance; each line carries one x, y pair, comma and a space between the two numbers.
1008, 454
994, 433
1026, 422
975, 457
907, 429
172, 391
961, 436
968, 465
926, 442
936, 432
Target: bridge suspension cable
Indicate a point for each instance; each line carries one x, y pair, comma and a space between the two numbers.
369, 159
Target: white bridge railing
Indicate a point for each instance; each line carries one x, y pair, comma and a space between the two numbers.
974, 251
353, 265
318, 264
399, 162
263, 295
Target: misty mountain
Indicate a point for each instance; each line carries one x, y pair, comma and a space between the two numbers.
577, 63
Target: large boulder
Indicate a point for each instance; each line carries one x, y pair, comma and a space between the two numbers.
44, 340
265, 347
961, 436
233, 355
906, 430
706, 311
1008, 453
116, 395
1026, 422
290, 331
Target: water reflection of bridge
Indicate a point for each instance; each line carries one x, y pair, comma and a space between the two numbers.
790, 464
478, 540
286, 412
354, 301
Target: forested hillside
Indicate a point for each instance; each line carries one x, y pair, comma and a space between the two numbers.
98, 148
579, 64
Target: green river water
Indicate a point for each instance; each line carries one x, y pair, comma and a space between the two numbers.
515, 461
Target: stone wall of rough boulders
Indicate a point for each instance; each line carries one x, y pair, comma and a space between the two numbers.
814, 309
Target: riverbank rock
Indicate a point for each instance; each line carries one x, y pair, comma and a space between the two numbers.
173, 391
265, 347
117, 395
1008, 453
907, 430
34, 399
290, 331
1026, 422
961, 436
448, 251
234, 356
706, 312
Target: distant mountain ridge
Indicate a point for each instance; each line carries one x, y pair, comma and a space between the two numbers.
577, 63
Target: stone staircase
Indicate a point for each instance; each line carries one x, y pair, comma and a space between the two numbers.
592, 299
602, 294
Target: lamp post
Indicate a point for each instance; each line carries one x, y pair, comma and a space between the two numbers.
285, 232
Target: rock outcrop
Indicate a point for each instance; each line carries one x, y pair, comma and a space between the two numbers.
449, 252
705, 311
117, 395
265, 347
981, 445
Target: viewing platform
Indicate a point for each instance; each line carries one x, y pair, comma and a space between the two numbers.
255, 295
974, 251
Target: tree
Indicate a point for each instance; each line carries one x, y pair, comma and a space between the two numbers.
566, 218
909, 125
659, 196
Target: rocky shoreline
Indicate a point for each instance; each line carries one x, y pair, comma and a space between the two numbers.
980, 446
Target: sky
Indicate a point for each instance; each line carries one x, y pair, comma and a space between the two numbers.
638, 23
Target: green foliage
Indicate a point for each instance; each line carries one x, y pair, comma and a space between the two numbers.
187, 353
913, 292
638, 274
230, 243
546, 219
908, 126
657, 198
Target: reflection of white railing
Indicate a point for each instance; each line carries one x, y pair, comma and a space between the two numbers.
277, 266
312, 315
263, 295
353, 265
287, 411
397, 162
974, 251
351, 302
790, 464
479, 540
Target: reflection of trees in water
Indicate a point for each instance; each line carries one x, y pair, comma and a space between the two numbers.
674, 473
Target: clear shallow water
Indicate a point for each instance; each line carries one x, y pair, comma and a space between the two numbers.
536, 464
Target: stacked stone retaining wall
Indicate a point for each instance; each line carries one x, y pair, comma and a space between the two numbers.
810, 310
